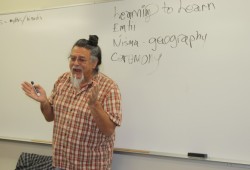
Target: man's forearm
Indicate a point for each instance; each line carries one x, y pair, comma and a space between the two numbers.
102, 119
47, 111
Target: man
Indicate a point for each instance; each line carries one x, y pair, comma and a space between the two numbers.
85, 106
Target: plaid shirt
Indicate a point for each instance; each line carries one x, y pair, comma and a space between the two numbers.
78, 144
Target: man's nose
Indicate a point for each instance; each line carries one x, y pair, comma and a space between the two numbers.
76, 62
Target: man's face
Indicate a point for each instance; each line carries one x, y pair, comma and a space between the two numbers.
80, 63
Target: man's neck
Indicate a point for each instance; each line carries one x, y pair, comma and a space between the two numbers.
88, 79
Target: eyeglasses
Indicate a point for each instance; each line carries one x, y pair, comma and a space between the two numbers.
80, 60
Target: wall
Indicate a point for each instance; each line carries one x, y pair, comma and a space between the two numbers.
10, 6
9, 150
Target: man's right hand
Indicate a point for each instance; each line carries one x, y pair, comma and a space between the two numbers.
30, 91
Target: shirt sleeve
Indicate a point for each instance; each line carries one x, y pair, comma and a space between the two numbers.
112, 105
54, 92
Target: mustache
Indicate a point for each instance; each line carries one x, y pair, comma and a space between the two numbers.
76, 67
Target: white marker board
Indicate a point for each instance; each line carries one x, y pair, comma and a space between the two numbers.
182, 67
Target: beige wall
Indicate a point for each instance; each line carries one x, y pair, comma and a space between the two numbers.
10, 150
10, 6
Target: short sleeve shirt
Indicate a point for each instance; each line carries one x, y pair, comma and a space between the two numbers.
78, 144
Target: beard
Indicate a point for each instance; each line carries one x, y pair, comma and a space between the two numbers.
76, 82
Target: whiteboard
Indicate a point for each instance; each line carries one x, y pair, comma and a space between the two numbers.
182, 68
